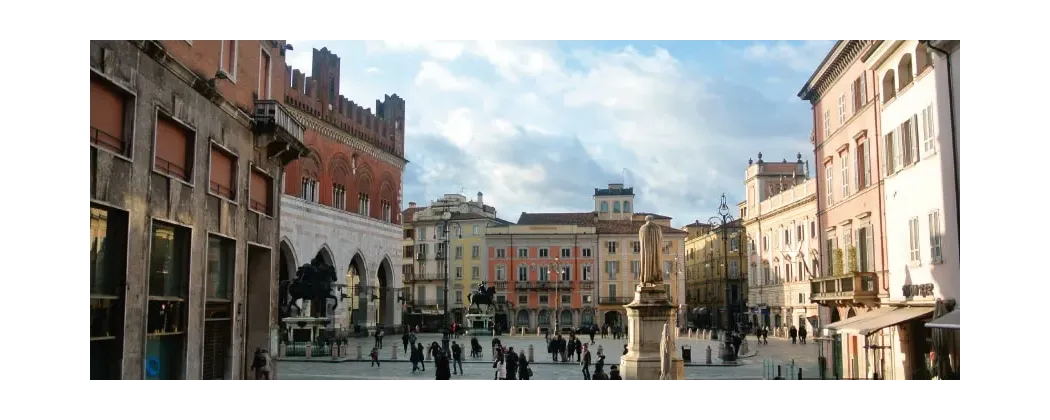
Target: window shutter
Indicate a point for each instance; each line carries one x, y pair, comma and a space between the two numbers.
915, 138
863, 88
172, 145
857, 166
221, 173
887, 142
898, 148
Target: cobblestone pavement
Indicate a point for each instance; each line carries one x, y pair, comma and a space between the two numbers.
779, 351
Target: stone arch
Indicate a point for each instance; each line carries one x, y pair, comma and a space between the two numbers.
543, 318
386, 295
288, 262
923, 57
340, 173
851, 313
889, 86
587, 317
522, 319
364, 186
905, 70
565, 319
326, 254
311, 166
357, 281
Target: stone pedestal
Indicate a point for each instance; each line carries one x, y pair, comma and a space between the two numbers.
646, 316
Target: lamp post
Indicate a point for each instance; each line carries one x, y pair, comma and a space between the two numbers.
446, 224
723, 219
553, 269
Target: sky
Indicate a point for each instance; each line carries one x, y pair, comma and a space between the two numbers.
536, 126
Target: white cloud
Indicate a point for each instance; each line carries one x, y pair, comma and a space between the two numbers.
438, 75
373, 70
803, 57
440, 50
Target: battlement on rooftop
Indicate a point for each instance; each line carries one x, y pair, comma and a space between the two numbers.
318, 95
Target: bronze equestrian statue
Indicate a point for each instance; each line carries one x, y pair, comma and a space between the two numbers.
313, 282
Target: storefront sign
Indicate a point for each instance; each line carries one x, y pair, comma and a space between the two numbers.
921, 290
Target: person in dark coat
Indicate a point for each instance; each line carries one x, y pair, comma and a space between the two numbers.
404, 341
579, 347
512, 364
523, 367
737, 340
599, 374
592, 335
599, 364
457, 358
419, 348
570, 347
475, 348
586, 363
415, 358
793, 333
614, 373
552, 348
443, 372
802, 334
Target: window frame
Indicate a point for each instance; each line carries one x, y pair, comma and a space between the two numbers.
231, 72
914, 247
191, 151
269, 73
231, 286
271, 206
130, 114
936, 236
234, 164
842, 109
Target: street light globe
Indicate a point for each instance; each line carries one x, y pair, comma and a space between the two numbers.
446, 215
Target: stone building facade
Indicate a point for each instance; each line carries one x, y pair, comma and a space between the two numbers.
342, 202
185, 151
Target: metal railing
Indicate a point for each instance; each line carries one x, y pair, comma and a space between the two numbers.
259, 206
271, 112
221, 190
169, 167
106, 141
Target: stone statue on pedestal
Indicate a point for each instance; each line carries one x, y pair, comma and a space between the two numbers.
651, 238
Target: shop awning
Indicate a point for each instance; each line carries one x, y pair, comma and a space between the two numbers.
893, 317
837, 326
948, 320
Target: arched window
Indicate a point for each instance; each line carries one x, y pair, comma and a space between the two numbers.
616, 206
587, 317
923, 58
605, 207
565, 319
626, 206
543, 318
523, 317
889, 86
905, 72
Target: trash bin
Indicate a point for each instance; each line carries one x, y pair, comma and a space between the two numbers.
687, 353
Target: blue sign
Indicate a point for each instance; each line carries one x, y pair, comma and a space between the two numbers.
152, 366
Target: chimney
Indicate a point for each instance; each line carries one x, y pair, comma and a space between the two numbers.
481, 202
411, 204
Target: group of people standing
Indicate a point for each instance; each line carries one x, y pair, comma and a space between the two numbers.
510, 365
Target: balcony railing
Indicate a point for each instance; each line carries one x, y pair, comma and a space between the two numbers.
287, 141
849, 286
501, 285
561, 286
614, 300
587, 285
424, 278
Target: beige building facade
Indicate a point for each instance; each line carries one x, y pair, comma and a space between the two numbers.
783, 253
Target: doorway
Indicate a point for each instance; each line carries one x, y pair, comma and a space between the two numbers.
257, 323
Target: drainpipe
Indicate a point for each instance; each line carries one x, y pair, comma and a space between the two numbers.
954, 133
884, 280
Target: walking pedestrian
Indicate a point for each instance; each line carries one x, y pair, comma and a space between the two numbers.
374, 354
422, 364
586, 363
802, 334
416, 357
457, 358
261, 364
404, 341
442, 371
500, 366
379, 337
793, 333
512, 364
592, 335
579, 348
524, 372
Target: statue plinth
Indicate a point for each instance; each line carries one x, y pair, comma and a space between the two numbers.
646, 316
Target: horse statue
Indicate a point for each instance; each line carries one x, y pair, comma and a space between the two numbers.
313, 282
482, 296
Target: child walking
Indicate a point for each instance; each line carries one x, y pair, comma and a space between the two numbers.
375, 357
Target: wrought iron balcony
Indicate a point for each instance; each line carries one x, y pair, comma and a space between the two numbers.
278, 132
614, 300
501, 285
560, 286
425, 278
847, 286
587, 285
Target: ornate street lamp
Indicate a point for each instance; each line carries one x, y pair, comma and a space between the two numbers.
555, 269
723, 220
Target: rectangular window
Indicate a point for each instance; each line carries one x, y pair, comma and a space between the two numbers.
501, 253
544, 253
927, 129
476, 229
475, 272
459, 273
858, 91
459, 296
586, 273
587, 300
264, 75
168, 290
935, 236
636, 247
888, 158
459, 252
587, 252
544, 274
173, 154
422, 233
221, 259
636, 267
566, 252
566, 299
612, 290
223, 175
544, 299
261, 192
908, 141
523, 253
228, 60
913, 239
475, 251
308, 191
501, 273
842, 109
827, 123
387, 212
523, 299
863, 177
611, 245
845, 175
566, 273
523, 273
363, 204
109, 108
108, 273
827, 182
813, 229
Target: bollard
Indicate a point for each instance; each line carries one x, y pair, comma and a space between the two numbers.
709, 354
358, 352
282, 350
778, 371
309, 349
799, 376
393, 353
530, 354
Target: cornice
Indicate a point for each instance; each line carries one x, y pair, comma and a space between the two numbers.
313, 123
814, 91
